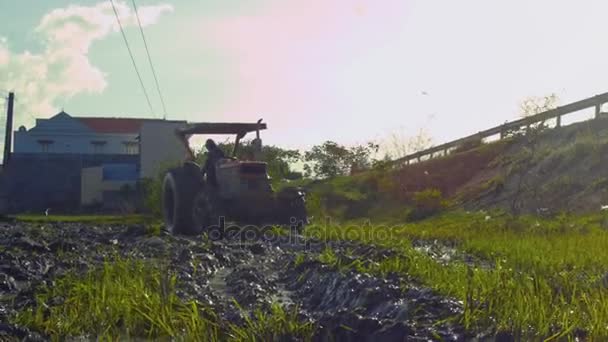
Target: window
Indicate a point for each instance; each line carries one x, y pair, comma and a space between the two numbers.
45, 145
131, 147
98, 146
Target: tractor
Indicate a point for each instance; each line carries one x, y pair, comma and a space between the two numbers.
192, 205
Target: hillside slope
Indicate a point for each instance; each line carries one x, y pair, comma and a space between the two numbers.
550, 170
557, 170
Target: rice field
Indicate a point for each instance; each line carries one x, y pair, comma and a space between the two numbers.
528, 276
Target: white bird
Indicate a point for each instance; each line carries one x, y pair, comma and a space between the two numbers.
47, 211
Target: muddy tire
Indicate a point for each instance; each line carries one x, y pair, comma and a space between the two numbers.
180, 188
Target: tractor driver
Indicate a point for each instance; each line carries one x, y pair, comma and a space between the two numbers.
214, 154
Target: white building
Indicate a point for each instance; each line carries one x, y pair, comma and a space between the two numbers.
88, 160
65, 134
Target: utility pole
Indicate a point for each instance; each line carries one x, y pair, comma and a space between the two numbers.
8, 134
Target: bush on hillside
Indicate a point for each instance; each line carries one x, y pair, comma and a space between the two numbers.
427, 203
469, 145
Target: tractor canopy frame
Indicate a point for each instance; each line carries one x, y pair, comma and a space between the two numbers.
217, 128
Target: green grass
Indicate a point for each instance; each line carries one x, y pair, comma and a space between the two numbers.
329, 257
275, 325
126, 298
121, 298
95, 219
543, 279
299, 259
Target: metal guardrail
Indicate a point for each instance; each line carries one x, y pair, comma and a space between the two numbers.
557, 113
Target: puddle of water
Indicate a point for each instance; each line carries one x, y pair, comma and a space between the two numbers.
282, 296
445, 254
217, 282
438, 252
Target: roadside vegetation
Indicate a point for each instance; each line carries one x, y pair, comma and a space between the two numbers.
531, 277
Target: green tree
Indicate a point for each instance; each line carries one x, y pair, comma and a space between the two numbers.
331, 159
533, 105
400, 145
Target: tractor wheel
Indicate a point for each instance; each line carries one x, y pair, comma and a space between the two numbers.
180, 188
205, 215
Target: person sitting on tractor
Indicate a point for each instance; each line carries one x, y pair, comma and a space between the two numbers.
214, 154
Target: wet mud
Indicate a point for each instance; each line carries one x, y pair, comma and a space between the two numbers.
233, 277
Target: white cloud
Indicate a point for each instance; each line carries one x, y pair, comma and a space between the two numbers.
63, 68
76, 27
4, 53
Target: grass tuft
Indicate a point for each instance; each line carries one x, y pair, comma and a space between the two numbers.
127, 298
121, 298
276, 325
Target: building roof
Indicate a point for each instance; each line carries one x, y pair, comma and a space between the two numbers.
110, 125
103, 125
113, 125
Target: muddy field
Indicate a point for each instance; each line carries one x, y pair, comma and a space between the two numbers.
343, 305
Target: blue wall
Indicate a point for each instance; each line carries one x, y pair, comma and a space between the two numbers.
69, 135
34, 182
119, 172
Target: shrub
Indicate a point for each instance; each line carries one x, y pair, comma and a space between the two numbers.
469, 145
314, 205
388, 185
427, 203
152, 195
153, 190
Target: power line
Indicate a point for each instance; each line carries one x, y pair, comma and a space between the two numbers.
143, 37
141, 82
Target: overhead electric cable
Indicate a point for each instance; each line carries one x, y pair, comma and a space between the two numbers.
141, 82
143, 37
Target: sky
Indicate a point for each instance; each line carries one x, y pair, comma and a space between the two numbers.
344, 70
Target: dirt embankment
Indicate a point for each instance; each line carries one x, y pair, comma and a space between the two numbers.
548, 172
